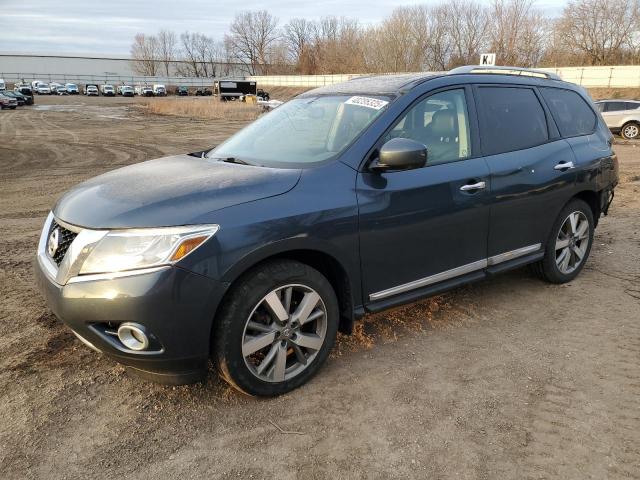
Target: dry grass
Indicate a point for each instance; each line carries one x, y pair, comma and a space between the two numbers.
605, 93
209, 108
202, 107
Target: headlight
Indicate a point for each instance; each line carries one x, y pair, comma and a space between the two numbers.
132, 249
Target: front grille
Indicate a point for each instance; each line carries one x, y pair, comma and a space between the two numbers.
65, 238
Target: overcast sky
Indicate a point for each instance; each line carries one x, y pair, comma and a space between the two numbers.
108, 26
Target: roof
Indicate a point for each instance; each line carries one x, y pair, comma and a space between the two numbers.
371, 85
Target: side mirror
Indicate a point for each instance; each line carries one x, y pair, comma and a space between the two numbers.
401, 154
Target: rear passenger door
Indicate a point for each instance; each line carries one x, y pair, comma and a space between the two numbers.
531, 168
590, 140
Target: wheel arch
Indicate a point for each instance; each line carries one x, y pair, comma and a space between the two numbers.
591, 198
325, 262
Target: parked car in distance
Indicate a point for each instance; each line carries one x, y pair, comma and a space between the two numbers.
622, 117
159, 90
144, 91
35, 83
25, 90
3, 85
182, 91
262, 95
204, 92
22, 100
7, 102
72, 88
61, 91
43, 89
91, 90
126, 90
108, 90
54, 86
348, 199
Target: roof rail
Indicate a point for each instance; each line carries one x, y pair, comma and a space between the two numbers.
493, 70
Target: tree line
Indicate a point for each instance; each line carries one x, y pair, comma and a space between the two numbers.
412, 38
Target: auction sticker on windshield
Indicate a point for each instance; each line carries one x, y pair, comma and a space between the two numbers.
368, 102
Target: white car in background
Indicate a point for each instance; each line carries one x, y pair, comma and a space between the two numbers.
72, 88
621, 116
3, 86
54, 86
107, 90
159, 90
43, 89
126, 90
91, 90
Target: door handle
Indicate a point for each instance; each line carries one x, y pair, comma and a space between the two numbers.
473, 186
564, 166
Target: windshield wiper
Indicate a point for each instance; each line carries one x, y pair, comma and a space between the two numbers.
231, 160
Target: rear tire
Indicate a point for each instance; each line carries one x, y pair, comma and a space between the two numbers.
569, 244
276, 328
630, 131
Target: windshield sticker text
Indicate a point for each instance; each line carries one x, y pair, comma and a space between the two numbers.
374, 103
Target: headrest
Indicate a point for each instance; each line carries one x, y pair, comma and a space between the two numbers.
443, 123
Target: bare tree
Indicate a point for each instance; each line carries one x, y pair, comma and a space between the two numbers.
469, 26
517, 32
298, 36
251, 38
144, 54
167, 49
600, 31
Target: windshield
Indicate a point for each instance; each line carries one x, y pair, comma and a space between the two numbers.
303, 131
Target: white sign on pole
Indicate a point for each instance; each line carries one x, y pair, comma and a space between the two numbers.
488, 59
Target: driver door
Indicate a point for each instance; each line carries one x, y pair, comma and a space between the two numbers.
428, 225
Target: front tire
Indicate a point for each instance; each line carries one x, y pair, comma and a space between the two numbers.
276, 328
569, 244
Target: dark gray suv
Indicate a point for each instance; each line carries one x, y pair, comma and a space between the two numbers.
350, 198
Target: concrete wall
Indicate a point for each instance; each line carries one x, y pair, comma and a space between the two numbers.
615, 77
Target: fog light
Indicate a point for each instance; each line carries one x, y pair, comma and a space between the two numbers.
133, 336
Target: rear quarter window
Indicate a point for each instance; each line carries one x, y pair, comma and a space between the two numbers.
572, 113
511, 118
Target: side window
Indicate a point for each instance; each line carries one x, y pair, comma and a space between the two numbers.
616, 106
632, 105
571, 112
441, 122
601, 106
511, 118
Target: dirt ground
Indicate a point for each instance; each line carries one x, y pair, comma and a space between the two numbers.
511, 378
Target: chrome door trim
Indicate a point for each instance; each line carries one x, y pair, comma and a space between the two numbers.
423, 282
456, 272
506, 256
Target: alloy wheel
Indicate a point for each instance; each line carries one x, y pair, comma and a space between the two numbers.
631, 131
572, 242
284, 333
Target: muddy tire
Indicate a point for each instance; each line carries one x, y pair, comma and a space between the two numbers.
276, 328
569, 244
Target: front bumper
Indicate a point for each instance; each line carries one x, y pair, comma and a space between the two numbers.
174, 305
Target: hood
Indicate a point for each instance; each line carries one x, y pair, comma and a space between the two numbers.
177, 190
